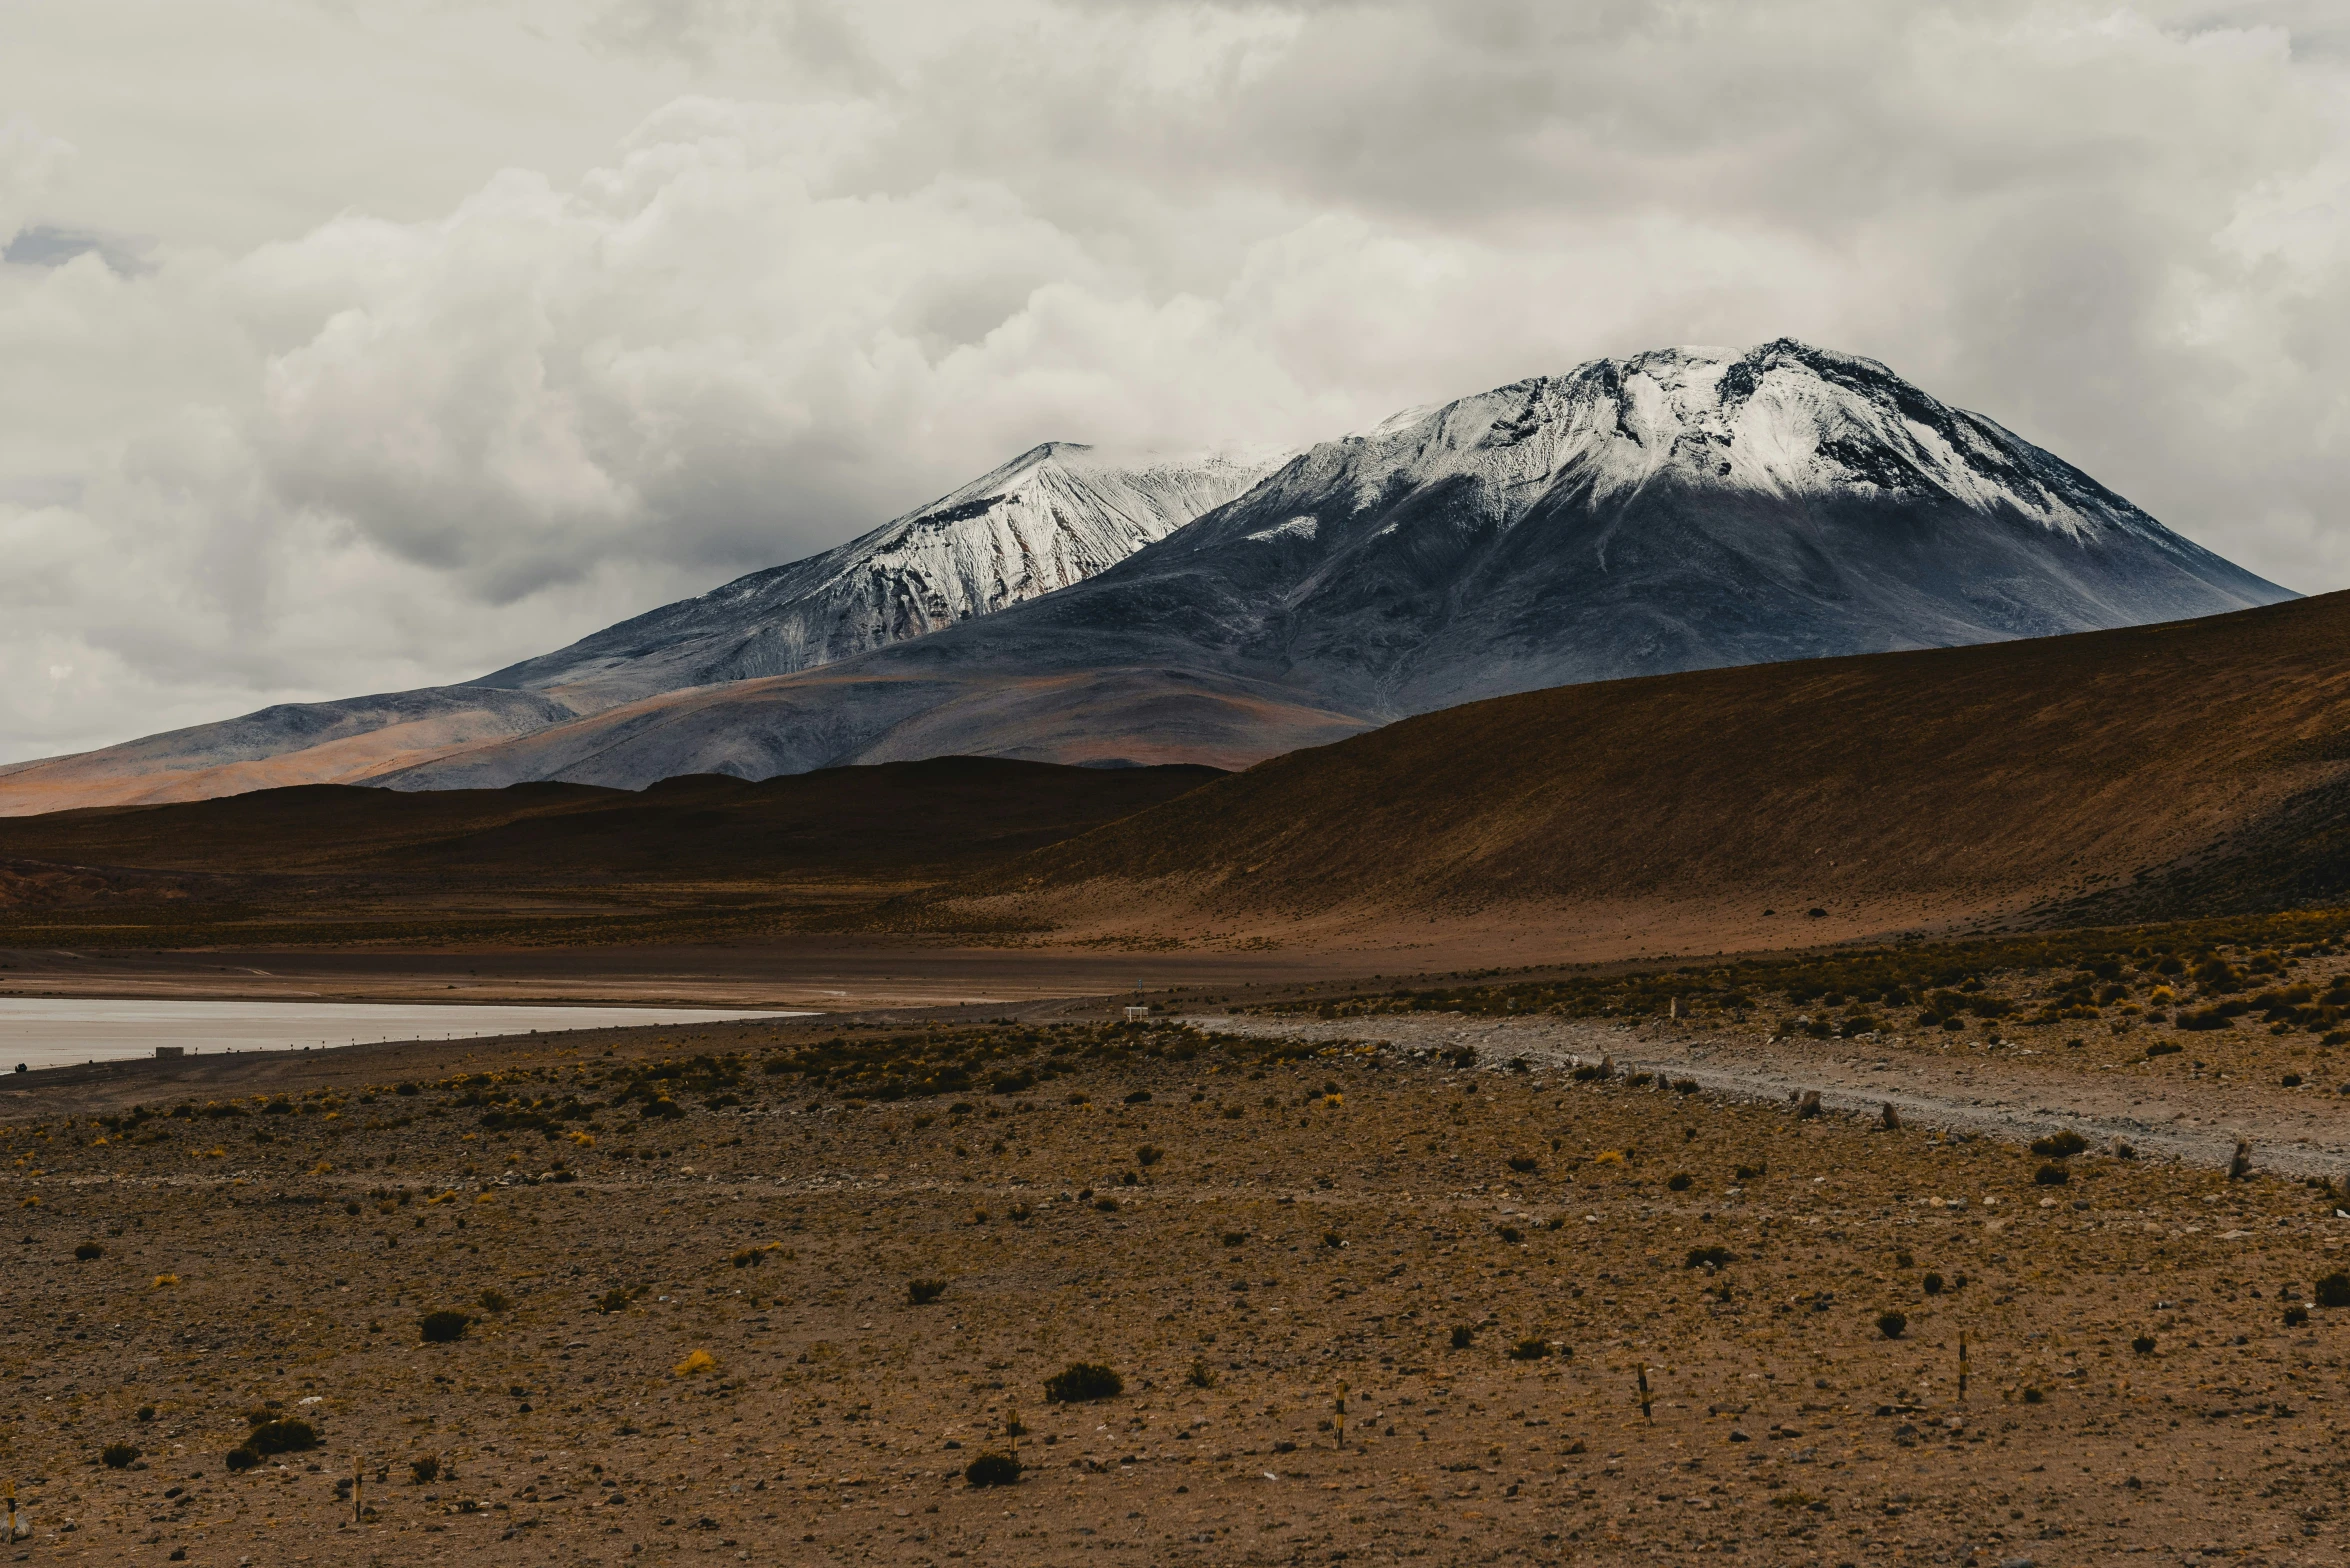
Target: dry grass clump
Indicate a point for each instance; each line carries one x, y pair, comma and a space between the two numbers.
992, 1470
443, 1327
281, 1435
1081, 1382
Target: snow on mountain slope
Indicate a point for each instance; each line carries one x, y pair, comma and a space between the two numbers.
1053, 516
1049, 518
1784, 420
1681, 509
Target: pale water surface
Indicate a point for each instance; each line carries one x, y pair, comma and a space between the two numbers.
56, 1031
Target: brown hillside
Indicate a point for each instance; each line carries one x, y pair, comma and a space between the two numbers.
2138, 768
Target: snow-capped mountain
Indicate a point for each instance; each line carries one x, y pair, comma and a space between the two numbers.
1051, 517
1680, 509
1676, 510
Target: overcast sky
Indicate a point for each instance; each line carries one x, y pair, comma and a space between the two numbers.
347, 346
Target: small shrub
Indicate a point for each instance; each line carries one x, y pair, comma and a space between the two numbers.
2033, 1396
1708, 1257
1233, 1238
425, 1471
992, 1470
1331, 1238
242, 1458
1106, 1205
1146, 1155
289, 1435
2164, 1048
748, 1258
2060, 1145
1463, 1336
696, 1364
1747, 1173
1892, 1324
145, 1413
1680, 1181
443, 1328
614, 1300
1530, 1350
1524, 1164
1685, 1086
1082, 1381
2296, 1316
922, 1292
2292, 1080
494, 1301
118, 1456
88, 1251
2143, 1344
1933, 1284
2334, 1290
1199, 1376
2052, 1175
1511, 1234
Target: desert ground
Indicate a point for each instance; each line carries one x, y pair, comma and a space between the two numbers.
686, 1258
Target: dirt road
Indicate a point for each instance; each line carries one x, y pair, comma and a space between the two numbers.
2016, 1095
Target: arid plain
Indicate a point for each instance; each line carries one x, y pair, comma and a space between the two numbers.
688, 1263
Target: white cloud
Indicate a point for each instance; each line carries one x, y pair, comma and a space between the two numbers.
384, 405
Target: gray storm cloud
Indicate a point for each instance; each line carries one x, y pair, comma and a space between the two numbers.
416, 379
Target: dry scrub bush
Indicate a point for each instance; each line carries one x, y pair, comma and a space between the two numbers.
1083, 1381
442, 1328
992, 1470
288, 1435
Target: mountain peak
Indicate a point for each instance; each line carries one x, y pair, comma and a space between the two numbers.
1057, 514
1784, 419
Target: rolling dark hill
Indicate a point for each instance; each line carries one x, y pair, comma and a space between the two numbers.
2196, 767
284, 853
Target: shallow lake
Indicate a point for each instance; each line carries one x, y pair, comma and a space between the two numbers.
61, 1031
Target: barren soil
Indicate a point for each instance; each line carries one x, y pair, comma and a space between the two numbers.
761, 1388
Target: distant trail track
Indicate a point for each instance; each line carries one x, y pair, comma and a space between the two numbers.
2300, 1133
